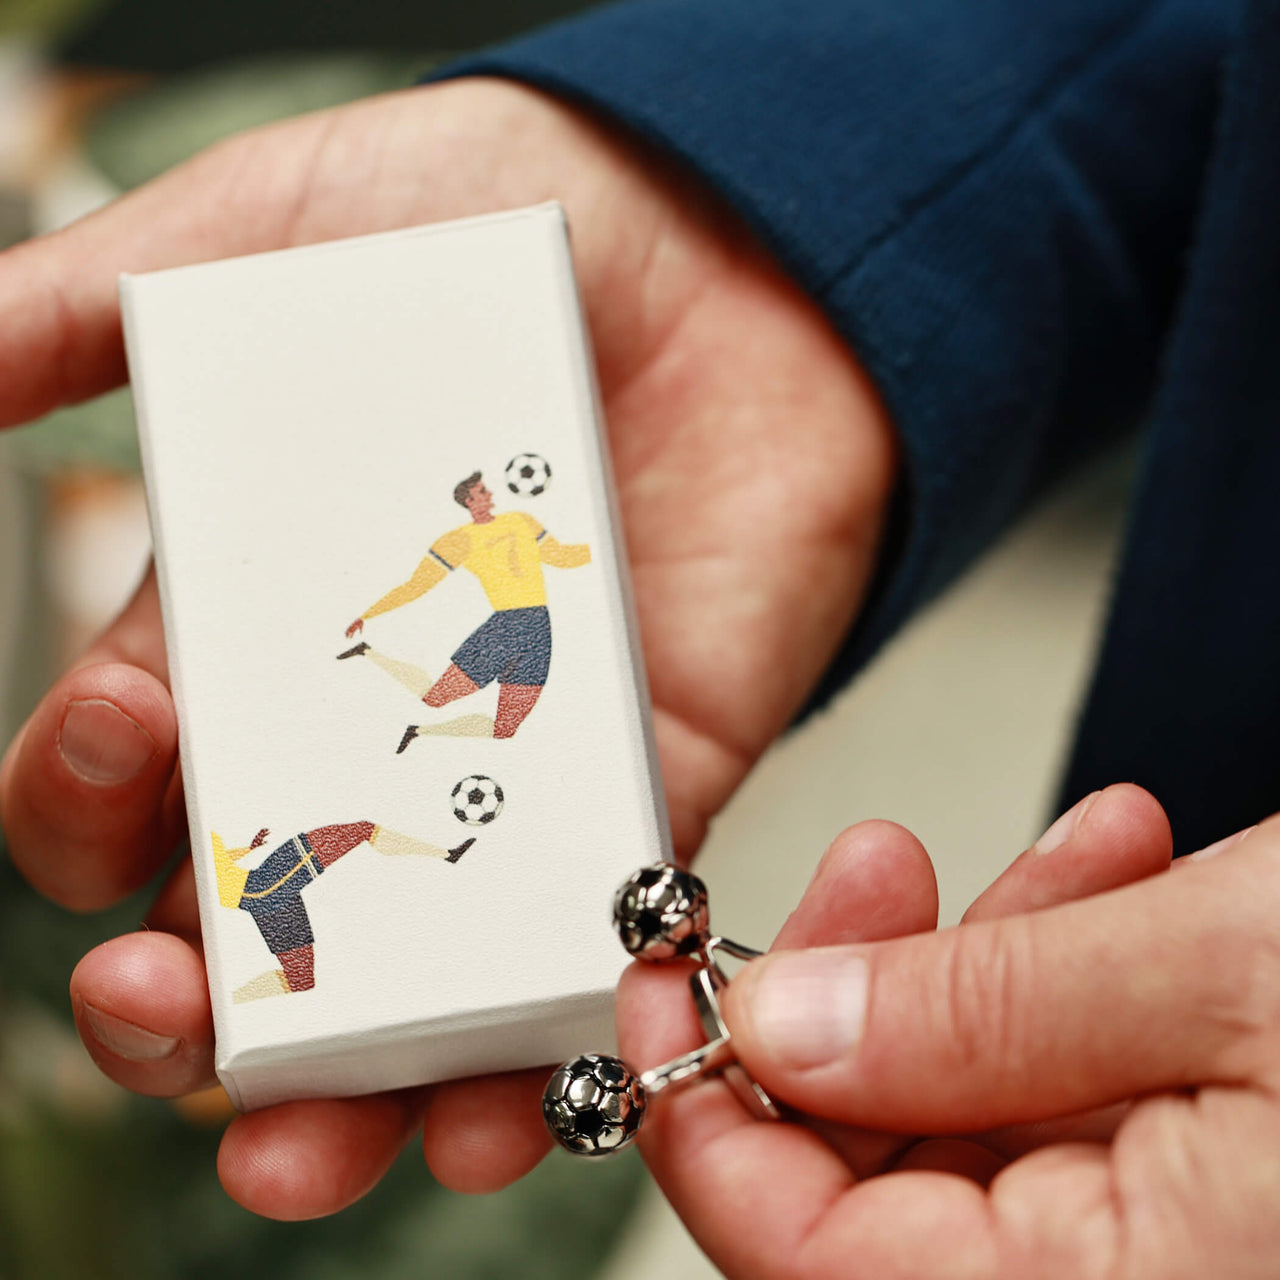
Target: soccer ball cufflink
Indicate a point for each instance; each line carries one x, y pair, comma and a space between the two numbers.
596, 1104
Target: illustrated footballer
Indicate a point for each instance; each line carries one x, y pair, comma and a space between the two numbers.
506, 552
272, 892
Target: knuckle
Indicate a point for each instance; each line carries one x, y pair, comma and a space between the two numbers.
984, 1014
1164, 1178
1244, 991
1239, 961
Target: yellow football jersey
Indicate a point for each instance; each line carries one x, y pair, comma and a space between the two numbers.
503, 554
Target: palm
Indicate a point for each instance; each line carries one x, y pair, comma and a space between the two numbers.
752, 464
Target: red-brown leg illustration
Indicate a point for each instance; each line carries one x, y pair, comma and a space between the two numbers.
272, 892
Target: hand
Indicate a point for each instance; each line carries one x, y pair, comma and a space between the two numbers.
355, 628
753, 465
1153, 1009
1120, 1052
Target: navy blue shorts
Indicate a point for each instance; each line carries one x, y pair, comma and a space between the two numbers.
512, 647
271, 895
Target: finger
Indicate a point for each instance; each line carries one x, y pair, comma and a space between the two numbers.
85, 791
141, 1005
1096, 1126
1052, 1215
1145, 852
771, 1200
1214, 849
1182, 1195
1124, 838
136, 636
479, 1135
695, 1140
968, 1160
89, 789
176, 909
306, 1159
60, 333
874, 881
1163, 984
1109, 839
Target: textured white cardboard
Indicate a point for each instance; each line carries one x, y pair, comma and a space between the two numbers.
305, 417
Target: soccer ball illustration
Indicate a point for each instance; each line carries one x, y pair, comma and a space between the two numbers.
594, 1105
528, 474
661, 912
477, 800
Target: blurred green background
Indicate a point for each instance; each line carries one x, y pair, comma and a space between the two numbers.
95, 1184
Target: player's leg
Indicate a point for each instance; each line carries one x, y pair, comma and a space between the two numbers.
406, 674
333, 842
454, 684
476, 725
412, 678
297, 972
515, 701
476, 662
286, 929
263, 987
395, 844
299, 966
525, 673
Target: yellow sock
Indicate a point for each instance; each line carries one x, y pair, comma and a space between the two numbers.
472, 726
271, 983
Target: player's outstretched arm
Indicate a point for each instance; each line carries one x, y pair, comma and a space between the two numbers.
563, 556
89, 791
428, 574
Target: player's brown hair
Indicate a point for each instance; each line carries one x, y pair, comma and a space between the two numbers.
462, 490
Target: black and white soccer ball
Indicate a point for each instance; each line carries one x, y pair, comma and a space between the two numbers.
528, 474
661, 912
594, 1105
477, 800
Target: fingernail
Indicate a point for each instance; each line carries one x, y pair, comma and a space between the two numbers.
1221, 846
127, 1039
807, 1008
102, 744
1065, 827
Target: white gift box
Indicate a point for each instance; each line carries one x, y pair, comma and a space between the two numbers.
311, 423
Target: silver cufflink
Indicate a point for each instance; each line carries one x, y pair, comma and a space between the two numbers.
596, 1104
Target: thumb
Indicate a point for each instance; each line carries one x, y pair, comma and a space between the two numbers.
1170, 983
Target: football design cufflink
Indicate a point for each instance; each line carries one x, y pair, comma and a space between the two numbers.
596, 1104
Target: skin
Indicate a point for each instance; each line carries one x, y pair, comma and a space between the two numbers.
1102, 1071
454, 684
1109, 1027
699, 340
480, 503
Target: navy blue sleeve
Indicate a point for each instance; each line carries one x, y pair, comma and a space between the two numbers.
991, 200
